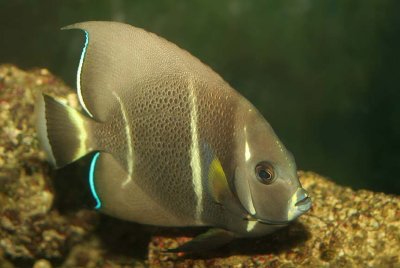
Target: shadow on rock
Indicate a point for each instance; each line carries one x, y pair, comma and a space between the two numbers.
123, 238
283, 240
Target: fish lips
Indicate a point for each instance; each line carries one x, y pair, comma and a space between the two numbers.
300, 207
304, 205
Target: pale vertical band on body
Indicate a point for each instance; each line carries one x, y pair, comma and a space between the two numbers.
195, 160
247, 155
83, 136
128, 134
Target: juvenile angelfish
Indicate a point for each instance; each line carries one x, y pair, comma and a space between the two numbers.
172, 143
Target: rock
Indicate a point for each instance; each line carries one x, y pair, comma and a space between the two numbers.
30, 227
41, 226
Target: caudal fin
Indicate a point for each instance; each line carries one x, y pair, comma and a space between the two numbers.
64, 133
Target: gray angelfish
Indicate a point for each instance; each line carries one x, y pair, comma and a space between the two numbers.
173, 143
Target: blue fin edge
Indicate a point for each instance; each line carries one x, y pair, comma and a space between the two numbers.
91, 180
78, 77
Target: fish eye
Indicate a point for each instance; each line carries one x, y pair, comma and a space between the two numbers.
265, 173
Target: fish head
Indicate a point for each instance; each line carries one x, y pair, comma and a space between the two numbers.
265, 178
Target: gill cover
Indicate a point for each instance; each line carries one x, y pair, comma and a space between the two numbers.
257, 142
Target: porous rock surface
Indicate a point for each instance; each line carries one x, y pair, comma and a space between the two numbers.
345, 228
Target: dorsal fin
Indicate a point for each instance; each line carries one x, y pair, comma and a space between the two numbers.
119, 57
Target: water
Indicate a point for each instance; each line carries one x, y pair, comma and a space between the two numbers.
324, 73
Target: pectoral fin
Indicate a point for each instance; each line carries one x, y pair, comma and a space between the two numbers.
217, 182
118, 194
213, 238
220, 190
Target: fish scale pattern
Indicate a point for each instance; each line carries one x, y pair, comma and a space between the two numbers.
161, 127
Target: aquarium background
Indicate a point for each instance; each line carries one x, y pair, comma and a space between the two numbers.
325, 74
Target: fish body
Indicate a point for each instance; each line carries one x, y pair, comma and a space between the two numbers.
173, 144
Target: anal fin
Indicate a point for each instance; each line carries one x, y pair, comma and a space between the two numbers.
122, 196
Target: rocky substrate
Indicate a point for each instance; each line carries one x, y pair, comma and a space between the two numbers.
46, 220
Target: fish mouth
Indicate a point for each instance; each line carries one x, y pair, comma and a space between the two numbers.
299, 203
304, 204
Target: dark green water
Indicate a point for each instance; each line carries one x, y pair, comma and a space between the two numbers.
324, 73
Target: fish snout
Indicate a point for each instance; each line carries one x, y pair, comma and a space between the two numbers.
299, 203
304, 204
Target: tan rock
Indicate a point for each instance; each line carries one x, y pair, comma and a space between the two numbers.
29, 226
